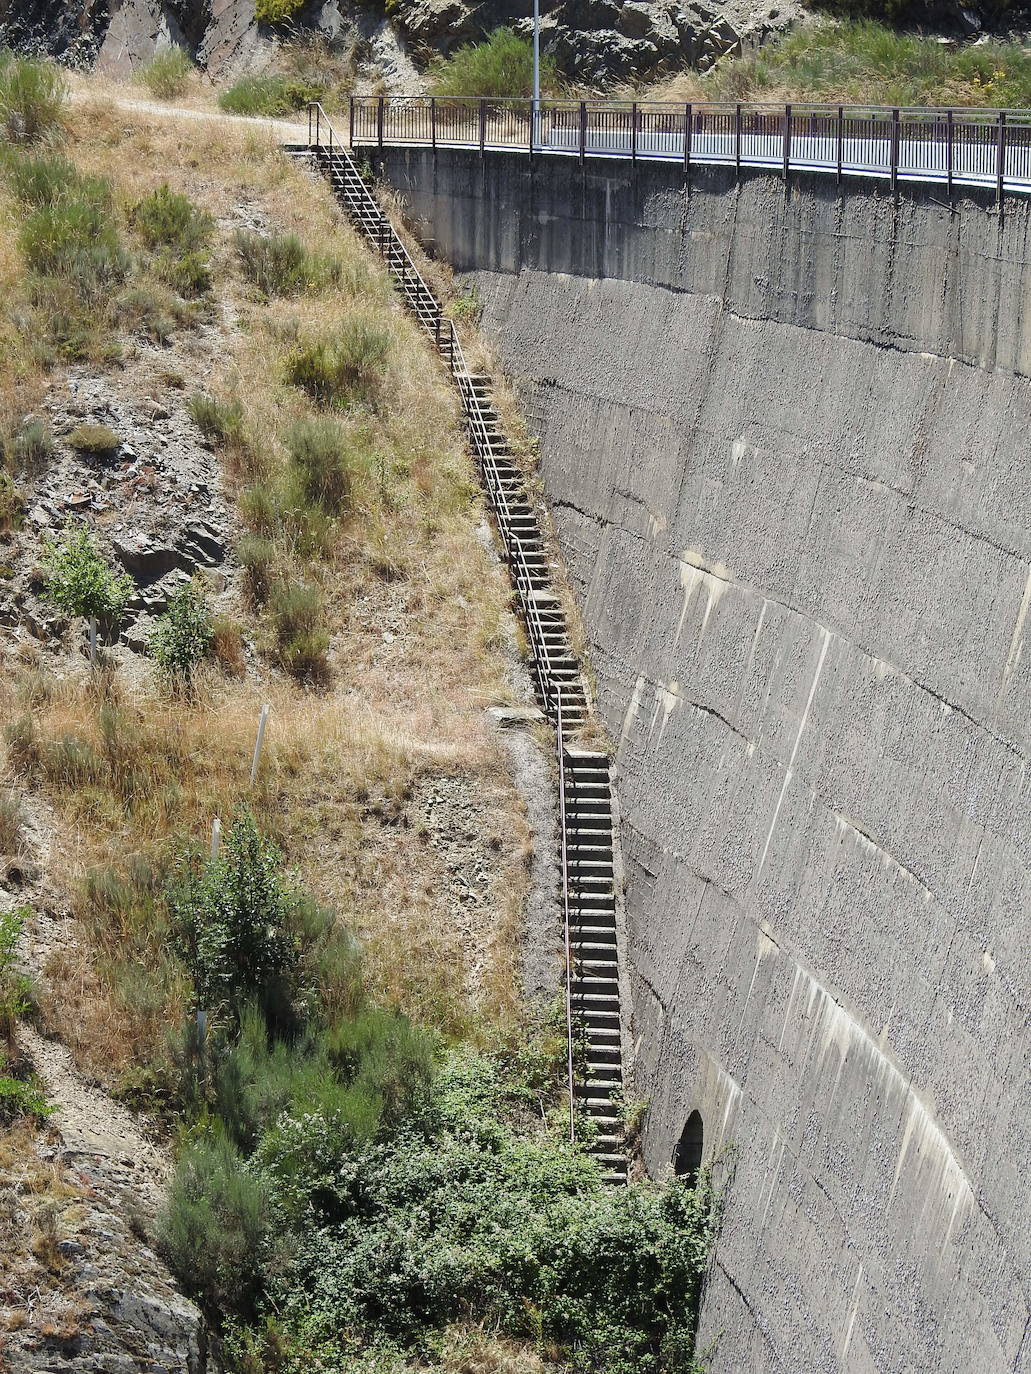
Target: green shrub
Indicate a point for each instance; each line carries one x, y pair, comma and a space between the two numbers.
231, 920
18, 1099
182, 637
166, 218
260, 508
257, 557
167, 74
278, 264
79, 581
32, 98
215, 1229
75, 240
31, 449
456, 1217
499, 68
46, 178
270, 96
150, 312
15, 988
304, 655
274, 12
872, 63
342, 367
187, 273
217, 418
98, 441
321, 460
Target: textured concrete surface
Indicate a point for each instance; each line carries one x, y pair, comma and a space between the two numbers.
785, 439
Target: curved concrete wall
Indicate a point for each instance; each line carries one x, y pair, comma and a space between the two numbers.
785, 440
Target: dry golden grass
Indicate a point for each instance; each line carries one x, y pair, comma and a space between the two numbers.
416, 607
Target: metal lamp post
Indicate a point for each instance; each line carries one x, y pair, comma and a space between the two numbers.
535, 104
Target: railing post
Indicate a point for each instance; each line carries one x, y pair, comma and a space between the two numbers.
633, 131
380, 103
950, 147
895, 131
787, 141
737, 140
483, 126
841, 140
1000, 159
433, 122
688, 131
350, 122
318, 126
583, 129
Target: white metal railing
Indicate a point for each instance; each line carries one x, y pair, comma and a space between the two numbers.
957, 147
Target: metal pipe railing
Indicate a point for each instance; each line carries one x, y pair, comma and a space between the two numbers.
954, 146
444, 333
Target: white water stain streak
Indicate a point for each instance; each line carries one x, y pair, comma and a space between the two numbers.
798, 739
631, 715
1017, 642
694, 573
852, 1314
934, 1170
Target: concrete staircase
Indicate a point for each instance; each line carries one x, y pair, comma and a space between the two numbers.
589, 892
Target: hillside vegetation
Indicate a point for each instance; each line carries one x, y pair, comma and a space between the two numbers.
323, 1012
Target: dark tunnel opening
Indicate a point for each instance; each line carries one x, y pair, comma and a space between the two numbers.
687, 1157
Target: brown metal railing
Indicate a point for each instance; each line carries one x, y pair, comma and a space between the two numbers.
952, 146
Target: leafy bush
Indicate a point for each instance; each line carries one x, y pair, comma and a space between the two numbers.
457, 1217
166, 218
342, 367
18, 1099
274, 12
182, 637
281, 265
150, 312
257, 557
31, 449
167, 74
321, 461
500, 68
231, 918
869, 62
46, 178
216, 1227
270, 96
75, 239
15, 1000
32, 98
217, 418
79, 581
297, 614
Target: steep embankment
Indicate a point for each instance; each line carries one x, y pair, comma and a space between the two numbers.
785, 439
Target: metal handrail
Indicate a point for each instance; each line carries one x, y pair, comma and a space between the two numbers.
413, 286
957, 146
566, 918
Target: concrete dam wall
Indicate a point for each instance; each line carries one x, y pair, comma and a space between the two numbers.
784, 435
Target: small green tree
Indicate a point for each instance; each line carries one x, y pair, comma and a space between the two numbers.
231, 920
80, 582
182, 636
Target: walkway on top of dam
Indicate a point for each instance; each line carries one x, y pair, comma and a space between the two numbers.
962, 147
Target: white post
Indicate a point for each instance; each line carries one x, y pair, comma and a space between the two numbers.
216, 837
262, 722
536, 102
93, 641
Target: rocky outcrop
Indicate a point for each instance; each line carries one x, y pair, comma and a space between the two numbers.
600, 41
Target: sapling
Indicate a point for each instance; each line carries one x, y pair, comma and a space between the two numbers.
79, 581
